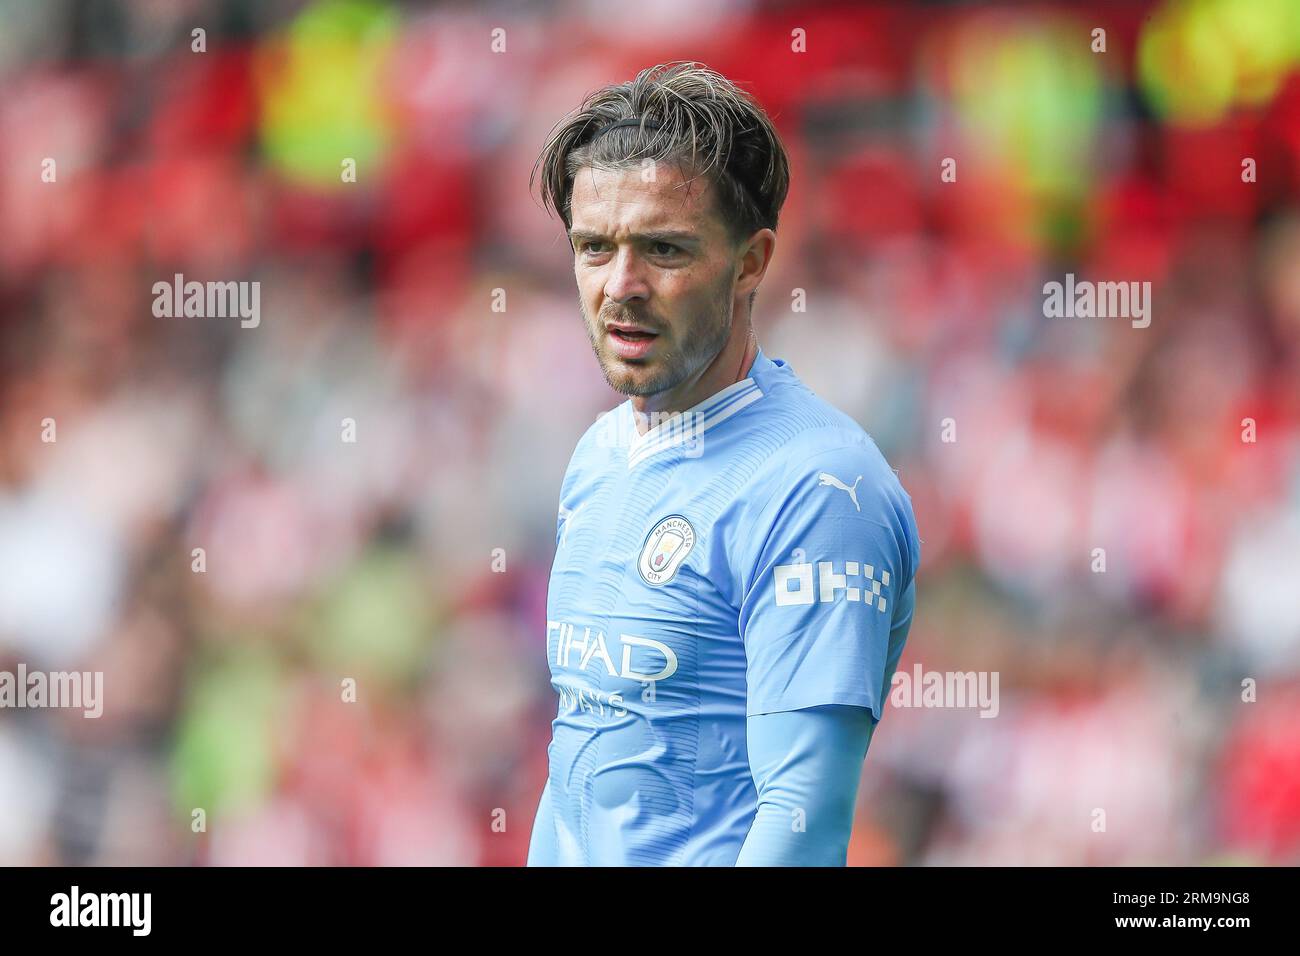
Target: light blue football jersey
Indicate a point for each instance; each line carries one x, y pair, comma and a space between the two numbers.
753, 554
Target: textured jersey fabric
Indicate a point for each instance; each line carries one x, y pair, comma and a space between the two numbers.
753, 555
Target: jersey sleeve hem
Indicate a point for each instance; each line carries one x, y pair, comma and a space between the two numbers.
754, 708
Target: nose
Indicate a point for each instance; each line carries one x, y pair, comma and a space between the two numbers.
626, 280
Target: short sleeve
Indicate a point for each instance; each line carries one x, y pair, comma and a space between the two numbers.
829, 590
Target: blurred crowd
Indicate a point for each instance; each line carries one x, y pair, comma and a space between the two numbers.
1110, 515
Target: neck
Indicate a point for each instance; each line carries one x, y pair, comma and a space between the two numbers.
731, 365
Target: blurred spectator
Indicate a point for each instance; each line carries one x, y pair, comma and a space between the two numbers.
302, 553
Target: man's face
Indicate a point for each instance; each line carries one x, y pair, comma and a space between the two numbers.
656, 275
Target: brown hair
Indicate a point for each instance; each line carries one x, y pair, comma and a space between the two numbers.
689, 114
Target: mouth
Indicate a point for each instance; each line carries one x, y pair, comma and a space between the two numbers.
630, 341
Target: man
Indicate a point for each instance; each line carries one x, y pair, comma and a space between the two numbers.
733, 577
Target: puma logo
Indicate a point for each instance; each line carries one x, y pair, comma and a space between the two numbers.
834, 482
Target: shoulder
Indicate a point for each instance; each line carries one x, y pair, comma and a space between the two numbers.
813, 436
840, 447
831, 450
830, 482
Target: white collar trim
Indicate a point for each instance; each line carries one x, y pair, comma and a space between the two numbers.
680, 427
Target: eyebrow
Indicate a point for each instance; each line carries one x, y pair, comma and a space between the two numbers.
680, 238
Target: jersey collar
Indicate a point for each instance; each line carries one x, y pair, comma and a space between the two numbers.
689, 425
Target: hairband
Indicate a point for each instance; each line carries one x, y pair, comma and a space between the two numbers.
630, 121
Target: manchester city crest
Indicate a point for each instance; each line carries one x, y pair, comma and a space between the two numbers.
666, 547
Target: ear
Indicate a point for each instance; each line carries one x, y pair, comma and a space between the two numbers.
756, 254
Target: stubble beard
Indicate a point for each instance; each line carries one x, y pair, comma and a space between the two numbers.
669, 368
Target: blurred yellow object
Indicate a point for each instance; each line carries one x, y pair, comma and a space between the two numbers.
321, 91
1198, 59
1028, 92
